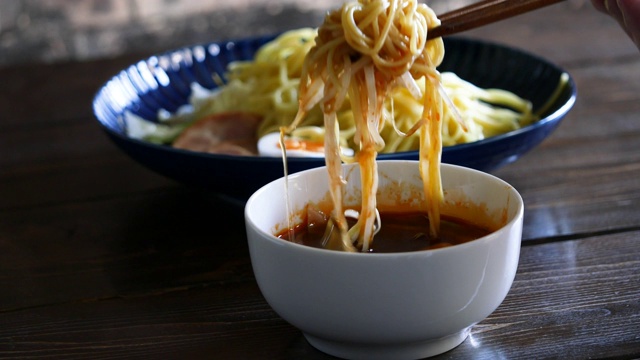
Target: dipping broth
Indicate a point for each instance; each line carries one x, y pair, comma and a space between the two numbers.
400, 232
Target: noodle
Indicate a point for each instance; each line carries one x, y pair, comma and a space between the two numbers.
364, 50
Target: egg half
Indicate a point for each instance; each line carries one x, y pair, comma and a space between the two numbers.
269, 145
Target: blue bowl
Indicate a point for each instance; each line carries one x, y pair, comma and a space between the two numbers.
163, 82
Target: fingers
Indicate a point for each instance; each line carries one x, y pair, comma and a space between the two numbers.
630, 18
625, 12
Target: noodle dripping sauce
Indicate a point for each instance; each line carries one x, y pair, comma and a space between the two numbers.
364, 50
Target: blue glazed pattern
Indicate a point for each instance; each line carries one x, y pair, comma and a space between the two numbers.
163, 82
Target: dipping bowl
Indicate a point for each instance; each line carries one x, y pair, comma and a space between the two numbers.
394, 305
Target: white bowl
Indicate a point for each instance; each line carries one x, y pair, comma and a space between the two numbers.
395, 305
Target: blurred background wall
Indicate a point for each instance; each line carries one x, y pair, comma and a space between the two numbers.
63, 30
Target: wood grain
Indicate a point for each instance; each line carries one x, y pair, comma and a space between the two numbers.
101, 258
580, 296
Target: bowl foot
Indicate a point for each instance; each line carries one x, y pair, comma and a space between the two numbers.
407, 351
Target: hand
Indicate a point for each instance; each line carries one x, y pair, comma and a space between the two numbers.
626, 12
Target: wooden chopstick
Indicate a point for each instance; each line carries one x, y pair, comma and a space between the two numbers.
483, 13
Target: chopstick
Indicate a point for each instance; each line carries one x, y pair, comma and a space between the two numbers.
483, 13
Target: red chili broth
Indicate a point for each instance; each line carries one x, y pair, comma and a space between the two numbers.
400, 232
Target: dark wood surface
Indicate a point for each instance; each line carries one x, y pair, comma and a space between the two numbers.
101, 258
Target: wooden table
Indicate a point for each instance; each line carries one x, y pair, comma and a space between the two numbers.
101, 258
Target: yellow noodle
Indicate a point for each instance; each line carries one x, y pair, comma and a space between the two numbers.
268, 86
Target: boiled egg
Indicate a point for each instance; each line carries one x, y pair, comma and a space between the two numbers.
269, 145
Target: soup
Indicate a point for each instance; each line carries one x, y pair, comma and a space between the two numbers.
402, 231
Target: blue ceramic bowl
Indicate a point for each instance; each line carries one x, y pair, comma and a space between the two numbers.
163, 81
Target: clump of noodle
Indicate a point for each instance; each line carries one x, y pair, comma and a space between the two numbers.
364, 50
